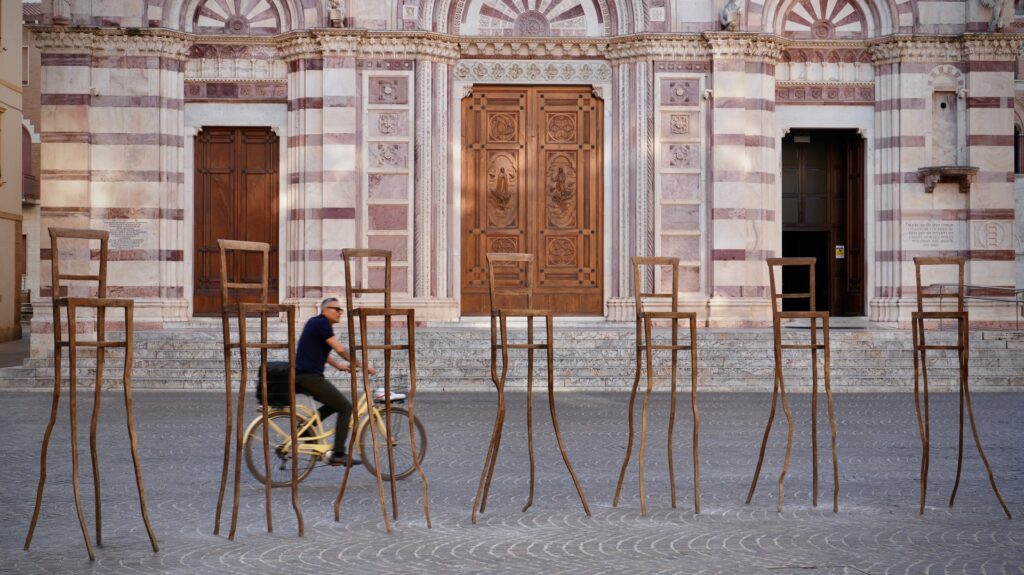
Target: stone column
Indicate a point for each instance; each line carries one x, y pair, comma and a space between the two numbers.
745, 180
423, 187
989, 99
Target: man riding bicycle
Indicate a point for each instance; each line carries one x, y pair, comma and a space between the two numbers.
313, 353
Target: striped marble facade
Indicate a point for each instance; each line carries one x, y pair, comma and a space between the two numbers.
368, 120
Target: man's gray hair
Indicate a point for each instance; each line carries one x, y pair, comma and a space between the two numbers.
324, 303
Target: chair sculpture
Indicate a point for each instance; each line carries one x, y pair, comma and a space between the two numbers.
780, 388
921, 372
645, 346
500, 315
242, 310
360, 344
101, 303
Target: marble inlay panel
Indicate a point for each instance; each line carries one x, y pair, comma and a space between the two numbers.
387, 217
388, 186
680, 186
398, 245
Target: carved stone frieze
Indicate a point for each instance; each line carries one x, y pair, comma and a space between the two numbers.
646, 47
518, 72
824, 93
163, 43
745, 46
907, 48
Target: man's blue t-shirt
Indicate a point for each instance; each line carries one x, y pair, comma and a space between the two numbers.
311, 354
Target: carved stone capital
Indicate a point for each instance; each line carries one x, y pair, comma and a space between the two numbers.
960, 175
745, 46
992, 47
163, 43
648, 47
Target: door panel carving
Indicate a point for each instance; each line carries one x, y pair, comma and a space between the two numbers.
532, 182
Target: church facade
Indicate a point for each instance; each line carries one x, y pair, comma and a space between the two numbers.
860, 132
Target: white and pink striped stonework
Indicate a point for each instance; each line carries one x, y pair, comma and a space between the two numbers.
368, 120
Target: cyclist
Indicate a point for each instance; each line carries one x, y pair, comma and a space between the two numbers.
312, 354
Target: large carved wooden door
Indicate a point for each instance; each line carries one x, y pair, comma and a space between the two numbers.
532, 182
236, 197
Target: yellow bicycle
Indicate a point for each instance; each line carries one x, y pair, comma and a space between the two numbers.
316, 441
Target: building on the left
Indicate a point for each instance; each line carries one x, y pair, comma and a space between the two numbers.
12, 249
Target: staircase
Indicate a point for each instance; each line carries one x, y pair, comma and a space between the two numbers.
588, 355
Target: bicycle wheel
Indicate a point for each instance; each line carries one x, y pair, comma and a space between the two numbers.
280, 456
404, 463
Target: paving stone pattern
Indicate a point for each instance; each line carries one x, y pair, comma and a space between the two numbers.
877, 529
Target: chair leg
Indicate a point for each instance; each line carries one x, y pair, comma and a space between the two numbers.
960, 442
93, 448
917, 405
529, 408
965, 386
789, 436
126, 378
696, 414
554, 416
927, 418
764, 439
496, 435
831, 418
645, 406
73, 406
672, 409
814, 412
368, 391
239, 420
354, 425
410, 324
46, 434
388, 437
629, 442
492, 455
228, 424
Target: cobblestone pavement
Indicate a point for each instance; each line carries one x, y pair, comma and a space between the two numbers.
877, 529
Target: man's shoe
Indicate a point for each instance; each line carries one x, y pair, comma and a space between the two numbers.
378, 395
340, 459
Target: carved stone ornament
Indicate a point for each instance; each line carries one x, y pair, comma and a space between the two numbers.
165, 43
517, 72
729, 17
336, 13
934, 175
1002, 13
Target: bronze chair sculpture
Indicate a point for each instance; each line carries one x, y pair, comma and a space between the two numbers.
500, 315
780, 388
645, 347
962, 348
242, 310
100, 303
361, 345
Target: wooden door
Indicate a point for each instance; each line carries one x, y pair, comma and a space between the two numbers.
236, 187
532, 182
823, 216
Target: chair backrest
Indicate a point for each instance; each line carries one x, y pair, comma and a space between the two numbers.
920, 262
641, 296
778, 295
57, 234
349, 254
243, 248
508, 260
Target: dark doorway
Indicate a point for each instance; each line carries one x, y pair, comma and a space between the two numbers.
236, 187
823, 217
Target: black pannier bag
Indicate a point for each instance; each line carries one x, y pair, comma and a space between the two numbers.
277, 383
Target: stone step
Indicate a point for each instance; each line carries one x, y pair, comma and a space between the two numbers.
586, 357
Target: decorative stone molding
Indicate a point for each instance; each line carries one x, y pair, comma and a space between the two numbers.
824, 93
909, 48
934, 175
743, 46
646, 47
234, 62
501, 47
519, 72
992, 47
163, 43
368, 45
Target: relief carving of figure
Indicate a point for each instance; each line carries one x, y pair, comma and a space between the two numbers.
561, 197
502, 208
1002, 13
729, 17
336, 13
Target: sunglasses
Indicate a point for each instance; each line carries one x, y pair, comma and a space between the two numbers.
334, 308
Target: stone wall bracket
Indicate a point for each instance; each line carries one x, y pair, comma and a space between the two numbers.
934, 175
